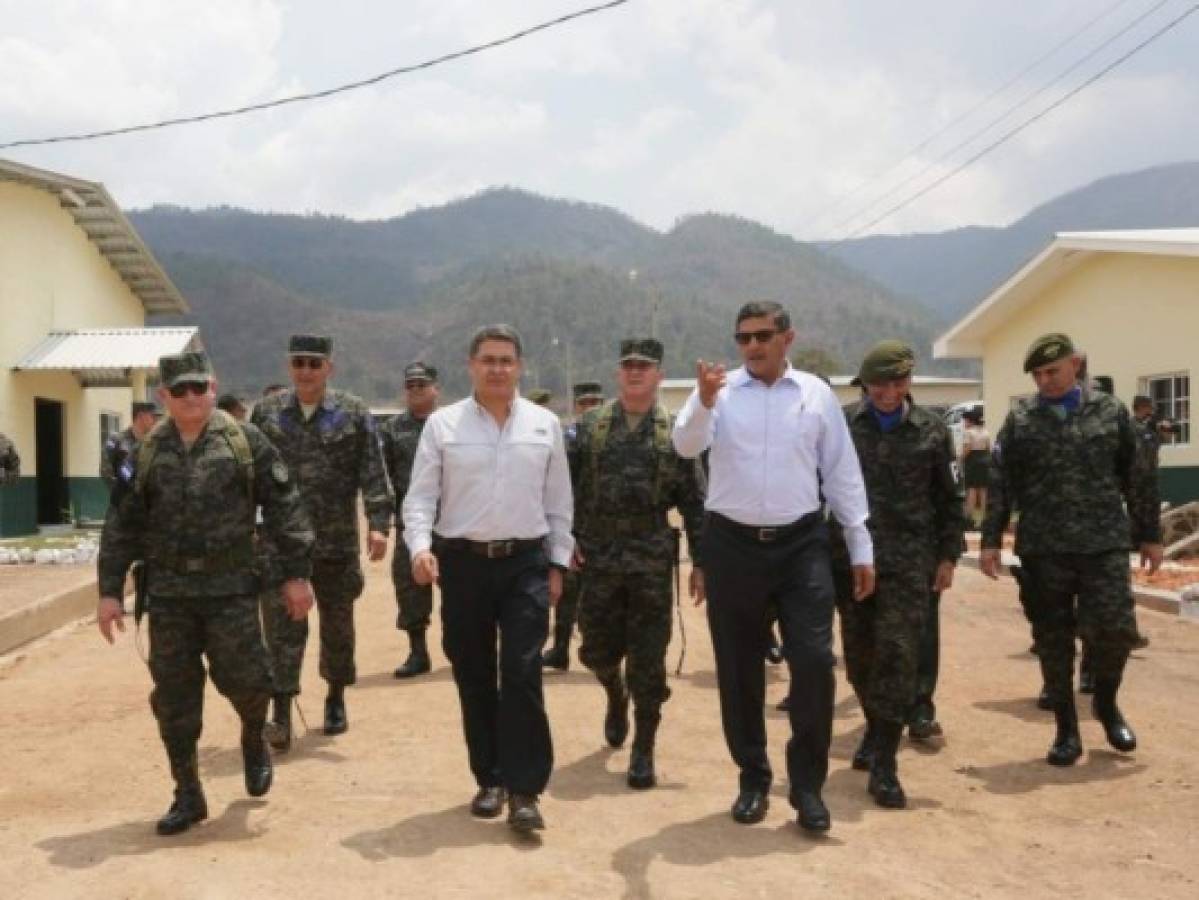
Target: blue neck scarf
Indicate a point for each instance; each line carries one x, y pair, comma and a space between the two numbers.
1068, 402
887, 421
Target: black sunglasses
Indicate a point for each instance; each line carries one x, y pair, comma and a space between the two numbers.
762, 337
412, 385
311, 362
179, 391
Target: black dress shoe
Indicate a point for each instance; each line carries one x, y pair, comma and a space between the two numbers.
335, 715
557, 657
750, 807
523, 814
813, 814
488, 803
189, 808
259, 772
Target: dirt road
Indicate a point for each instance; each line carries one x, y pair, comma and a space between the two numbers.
381, 810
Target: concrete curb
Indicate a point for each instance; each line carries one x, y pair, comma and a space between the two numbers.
45, 615
1150, 598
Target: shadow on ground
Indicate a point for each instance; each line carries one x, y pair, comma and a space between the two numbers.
1025, 776
86, 849
220, 761
424, 834
590, 776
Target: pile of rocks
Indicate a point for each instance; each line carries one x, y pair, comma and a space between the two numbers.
83, 552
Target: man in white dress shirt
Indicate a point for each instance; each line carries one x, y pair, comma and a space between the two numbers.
488, 516
779, 443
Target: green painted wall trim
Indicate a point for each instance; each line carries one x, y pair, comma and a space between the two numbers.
18, 508
1179, 484
89, 498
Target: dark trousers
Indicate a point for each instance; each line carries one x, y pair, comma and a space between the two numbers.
929, 664
503, 709
743, 579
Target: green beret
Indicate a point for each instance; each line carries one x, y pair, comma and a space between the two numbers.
645, 349
181, 367
310, 345
886, 360
586, 390
540, 396
1046, 349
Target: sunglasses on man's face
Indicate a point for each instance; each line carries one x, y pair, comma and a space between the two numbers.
414, 385
762, 337
179, 391
309, 362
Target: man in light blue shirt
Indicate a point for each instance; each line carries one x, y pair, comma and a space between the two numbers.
778, 443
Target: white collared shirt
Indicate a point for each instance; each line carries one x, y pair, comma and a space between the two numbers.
775, 450
472, 479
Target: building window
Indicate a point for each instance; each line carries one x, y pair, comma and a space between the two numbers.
110, 424
1171, 396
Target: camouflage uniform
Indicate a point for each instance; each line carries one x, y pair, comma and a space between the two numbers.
622, 495
400, 437
190, 516
333, 455
10, 463
1070, 473
117, 450
916, 522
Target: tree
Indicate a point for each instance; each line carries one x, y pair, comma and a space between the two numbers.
816, 360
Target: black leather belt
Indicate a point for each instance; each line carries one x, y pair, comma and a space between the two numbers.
490, 549
767, 534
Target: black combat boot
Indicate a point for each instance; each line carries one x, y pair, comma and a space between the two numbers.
335, 710
884, 784
418, 662
863, 757
278, 730
616, 719
558, 656
1067, 743
1103, 705
641, 775
256, 759
189, 806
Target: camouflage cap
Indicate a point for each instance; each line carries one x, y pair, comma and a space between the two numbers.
183, 367
1046, 349
419, 371
141, 406
645, 349
540, 396
588, 390
310, 345
886, 360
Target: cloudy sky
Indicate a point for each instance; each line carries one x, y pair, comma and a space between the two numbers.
778, 110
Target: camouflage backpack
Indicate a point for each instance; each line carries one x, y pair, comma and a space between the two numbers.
604, 417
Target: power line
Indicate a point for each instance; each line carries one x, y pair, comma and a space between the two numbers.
320, 95
957, 120
1023, 101
1169, 26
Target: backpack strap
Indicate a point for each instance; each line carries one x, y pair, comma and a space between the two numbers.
221, 422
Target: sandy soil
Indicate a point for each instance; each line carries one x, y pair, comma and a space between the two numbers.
381, 811
20, 585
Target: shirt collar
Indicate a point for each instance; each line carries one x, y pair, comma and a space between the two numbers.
740, 377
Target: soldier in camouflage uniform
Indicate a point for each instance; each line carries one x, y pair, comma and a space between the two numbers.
119, 448
10, 462
588, 395
1068, 459
187, 507
400, 437
627, 476
328, 439
916, 523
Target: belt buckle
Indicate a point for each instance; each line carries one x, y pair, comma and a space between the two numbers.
767, 535
499, 549
193, 565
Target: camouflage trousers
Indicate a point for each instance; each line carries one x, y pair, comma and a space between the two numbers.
337, 583
626, 617
1084, 595
183, 631
414, 601
881, 637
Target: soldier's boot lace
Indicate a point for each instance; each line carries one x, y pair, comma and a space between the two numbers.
256, 759
418, 662
616, 718
278, 730
863, 757
1115, 728
336, 721
189, 806
884, 784
641, 775
1067, 743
